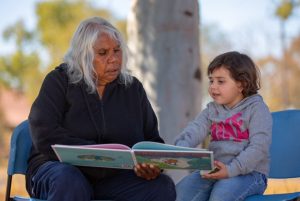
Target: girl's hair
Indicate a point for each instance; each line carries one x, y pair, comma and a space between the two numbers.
241, 68
80, 55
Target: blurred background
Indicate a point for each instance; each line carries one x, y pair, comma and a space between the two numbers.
171, 43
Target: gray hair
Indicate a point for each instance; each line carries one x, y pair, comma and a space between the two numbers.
80, 55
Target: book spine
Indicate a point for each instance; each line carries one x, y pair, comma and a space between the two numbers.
133, 157
56, 153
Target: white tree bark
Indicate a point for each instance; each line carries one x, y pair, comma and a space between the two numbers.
163, 38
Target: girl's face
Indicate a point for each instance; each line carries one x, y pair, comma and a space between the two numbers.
224, 89
108, 59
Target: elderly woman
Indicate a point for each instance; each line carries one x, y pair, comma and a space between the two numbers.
92, 99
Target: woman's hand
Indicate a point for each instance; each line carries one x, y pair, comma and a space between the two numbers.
220, 174
146, 171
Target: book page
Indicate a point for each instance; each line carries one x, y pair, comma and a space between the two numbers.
169, 159
95, 157
160, 146
107, 146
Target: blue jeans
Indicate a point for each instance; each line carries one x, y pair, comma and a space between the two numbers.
195, 188
55, 181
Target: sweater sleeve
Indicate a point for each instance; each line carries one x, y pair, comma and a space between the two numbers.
257, 151
47, 115
195, 132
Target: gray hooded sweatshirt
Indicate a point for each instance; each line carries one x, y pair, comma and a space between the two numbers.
240, 136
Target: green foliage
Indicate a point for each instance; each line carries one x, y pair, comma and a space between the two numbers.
284, 10
20, 70
19, 33
57, 21
16, 70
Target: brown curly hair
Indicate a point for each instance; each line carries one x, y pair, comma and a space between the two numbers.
241, 68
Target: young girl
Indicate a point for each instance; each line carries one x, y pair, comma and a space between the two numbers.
240, 126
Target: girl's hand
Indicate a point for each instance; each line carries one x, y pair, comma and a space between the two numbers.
146, 171
220, 174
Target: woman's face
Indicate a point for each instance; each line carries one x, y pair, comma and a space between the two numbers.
108, 59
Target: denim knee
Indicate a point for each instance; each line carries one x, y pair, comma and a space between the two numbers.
70, 177
70, 181
58, 181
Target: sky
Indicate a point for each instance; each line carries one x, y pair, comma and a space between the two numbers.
250, 24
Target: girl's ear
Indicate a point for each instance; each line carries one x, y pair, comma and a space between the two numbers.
240, 86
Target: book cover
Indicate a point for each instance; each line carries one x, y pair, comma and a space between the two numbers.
123, 157
106, 155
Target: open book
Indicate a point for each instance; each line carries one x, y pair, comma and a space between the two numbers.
123, 157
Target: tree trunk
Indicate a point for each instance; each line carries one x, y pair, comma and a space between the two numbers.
163, 38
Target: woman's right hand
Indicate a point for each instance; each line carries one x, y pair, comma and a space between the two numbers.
147, 171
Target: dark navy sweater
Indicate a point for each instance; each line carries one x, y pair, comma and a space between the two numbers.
65, 113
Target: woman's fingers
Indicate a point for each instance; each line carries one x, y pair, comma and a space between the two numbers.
147, 171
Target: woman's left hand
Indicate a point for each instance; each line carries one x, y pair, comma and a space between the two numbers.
220, 174
146, 171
